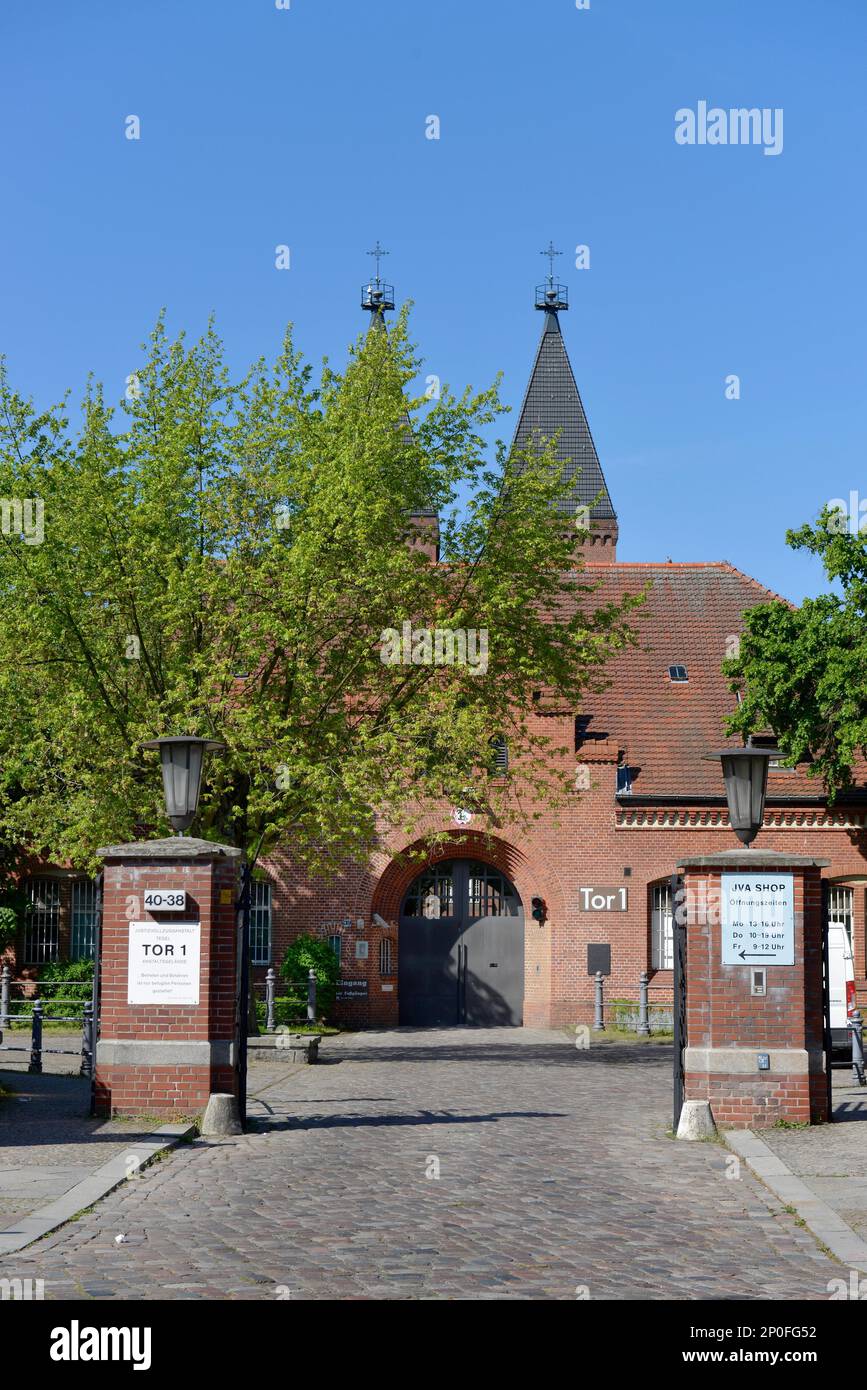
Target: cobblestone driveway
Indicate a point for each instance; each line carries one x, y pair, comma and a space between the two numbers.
555, 1174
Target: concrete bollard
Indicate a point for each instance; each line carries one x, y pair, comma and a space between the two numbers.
221, 1116
696, 1120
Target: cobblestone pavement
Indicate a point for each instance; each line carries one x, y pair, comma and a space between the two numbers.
556, 1175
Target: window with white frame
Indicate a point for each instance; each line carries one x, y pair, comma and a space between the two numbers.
85, 912
662, 927
42, 921
260, 923
386, 956
840, 908
335, 941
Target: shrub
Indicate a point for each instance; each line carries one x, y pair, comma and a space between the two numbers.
310, 953
74, 987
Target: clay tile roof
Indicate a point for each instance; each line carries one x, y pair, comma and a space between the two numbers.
664, 728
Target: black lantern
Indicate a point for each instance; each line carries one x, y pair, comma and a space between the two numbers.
745, 773
182, 760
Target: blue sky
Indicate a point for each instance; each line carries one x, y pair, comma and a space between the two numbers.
262, 126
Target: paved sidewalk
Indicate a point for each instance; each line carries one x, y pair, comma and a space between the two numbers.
556, 1179
832, 1159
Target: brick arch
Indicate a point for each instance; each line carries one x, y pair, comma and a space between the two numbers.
530, 877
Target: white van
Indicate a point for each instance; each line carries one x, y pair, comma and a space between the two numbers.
841, 986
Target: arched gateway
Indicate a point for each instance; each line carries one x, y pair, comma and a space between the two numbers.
461, 957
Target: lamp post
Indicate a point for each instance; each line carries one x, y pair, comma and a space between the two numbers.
745, 773
182, 760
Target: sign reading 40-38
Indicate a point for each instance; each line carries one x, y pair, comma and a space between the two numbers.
758, 919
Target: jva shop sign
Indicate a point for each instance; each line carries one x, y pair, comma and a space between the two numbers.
164, 962
758, 919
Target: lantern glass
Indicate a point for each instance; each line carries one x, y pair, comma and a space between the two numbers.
182, 760
745, 773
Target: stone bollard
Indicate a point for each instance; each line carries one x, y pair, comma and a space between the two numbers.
696, 1120
643, 1011
599, 1017
270, 990
222, 1115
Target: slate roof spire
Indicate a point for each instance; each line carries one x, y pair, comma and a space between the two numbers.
553, 406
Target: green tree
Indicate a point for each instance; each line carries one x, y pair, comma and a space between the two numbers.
225, 560
802, 671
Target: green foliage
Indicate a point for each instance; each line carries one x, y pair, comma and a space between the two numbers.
308, 953
803, 671
224, 558
70, 987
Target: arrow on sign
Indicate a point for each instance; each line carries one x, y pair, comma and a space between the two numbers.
743, 955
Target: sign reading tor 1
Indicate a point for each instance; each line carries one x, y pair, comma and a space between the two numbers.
164, 962
758, 919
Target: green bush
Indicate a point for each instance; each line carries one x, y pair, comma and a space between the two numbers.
74, 981
310, 953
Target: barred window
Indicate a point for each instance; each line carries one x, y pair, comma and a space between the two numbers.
42, 921
85, 913
386, 956
260, 923
499, 756
662, 927
335, 942
840, 907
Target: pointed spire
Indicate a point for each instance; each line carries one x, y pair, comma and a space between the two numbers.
553, 406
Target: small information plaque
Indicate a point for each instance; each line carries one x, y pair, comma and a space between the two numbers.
758, 919
164, 962
165, 899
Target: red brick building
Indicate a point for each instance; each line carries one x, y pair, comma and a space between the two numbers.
459, 941
496, 928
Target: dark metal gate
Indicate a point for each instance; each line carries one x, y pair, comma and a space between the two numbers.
461, 949
678, 928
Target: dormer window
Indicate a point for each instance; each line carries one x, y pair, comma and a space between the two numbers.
677, 675
624, 781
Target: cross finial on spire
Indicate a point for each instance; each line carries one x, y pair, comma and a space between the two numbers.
378, 252
550, 253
